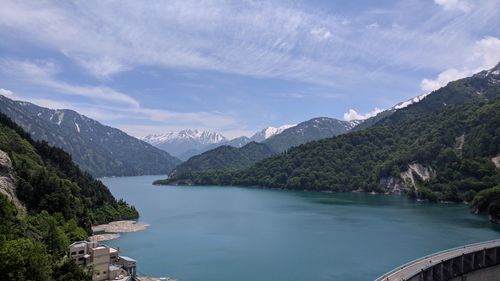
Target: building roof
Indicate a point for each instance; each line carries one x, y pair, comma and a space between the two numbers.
79, 244
127, 259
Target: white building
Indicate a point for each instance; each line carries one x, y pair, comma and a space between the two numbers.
105, 261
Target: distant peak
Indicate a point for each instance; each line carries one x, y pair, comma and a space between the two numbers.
493, 72
204, 137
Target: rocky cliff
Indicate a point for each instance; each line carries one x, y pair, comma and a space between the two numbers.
8, 179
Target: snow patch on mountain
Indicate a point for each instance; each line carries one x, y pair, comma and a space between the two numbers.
60, 117
272, 131
353, 123
269, 132
203, 137
410, 101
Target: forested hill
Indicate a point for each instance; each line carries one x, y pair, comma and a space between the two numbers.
96, 148
226, 156
439, 149
60, 203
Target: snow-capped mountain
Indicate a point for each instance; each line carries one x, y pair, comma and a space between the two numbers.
179, 142
269, 132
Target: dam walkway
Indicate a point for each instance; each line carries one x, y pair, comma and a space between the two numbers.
448, 264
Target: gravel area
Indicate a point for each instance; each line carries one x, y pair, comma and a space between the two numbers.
120, 226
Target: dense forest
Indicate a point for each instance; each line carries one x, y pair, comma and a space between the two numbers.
454, 132
61, 203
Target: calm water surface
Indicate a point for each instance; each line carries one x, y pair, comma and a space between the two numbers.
242, 234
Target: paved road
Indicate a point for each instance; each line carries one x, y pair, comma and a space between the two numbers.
408, 269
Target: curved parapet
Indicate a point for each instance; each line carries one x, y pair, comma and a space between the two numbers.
476, 262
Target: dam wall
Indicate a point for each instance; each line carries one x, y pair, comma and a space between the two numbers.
475, 262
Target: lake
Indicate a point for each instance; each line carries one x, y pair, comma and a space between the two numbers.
215, 233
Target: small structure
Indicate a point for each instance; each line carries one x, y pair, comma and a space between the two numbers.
128, 264
106, 262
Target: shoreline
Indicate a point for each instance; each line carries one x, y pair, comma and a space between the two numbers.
360, 191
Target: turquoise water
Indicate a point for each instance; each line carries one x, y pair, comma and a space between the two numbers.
243, 234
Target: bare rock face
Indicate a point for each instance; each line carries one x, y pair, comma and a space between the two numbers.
459, 144
392, 185
419, 170
8, 179
496, 161
407, 180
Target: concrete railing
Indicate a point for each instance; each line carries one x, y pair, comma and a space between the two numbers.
448, 264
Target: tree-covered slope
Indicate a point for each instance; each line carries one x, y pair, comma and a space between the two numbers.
453, 134
226, 156
61, 203
48, 180
96, 148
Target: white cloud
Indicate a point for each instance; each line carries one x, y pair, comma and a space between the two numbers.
354, 115
321, 33
101, 67
429, 85
43, 73
450, 5
263, 39
486, 55
7, 93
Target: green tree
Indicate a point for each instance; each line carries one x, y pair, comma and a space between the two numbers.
24, 259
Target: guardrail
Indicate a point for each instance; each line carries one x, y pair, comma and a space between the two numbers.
467, 259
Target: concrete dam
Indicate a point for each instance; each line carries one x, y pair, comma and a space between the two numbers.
475, 262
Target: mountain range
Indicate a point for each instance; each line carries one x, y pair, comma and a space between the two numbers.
188, 143
96, 148
444, 147
276, 140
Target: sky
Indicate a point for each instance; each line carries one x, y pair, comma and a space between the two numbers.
236, 67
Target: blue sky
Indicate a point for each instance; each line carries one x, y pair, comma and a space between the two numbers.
238, 66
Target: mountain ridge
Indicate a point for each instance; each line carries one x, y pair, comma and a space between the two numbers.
97, 148
313, 129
